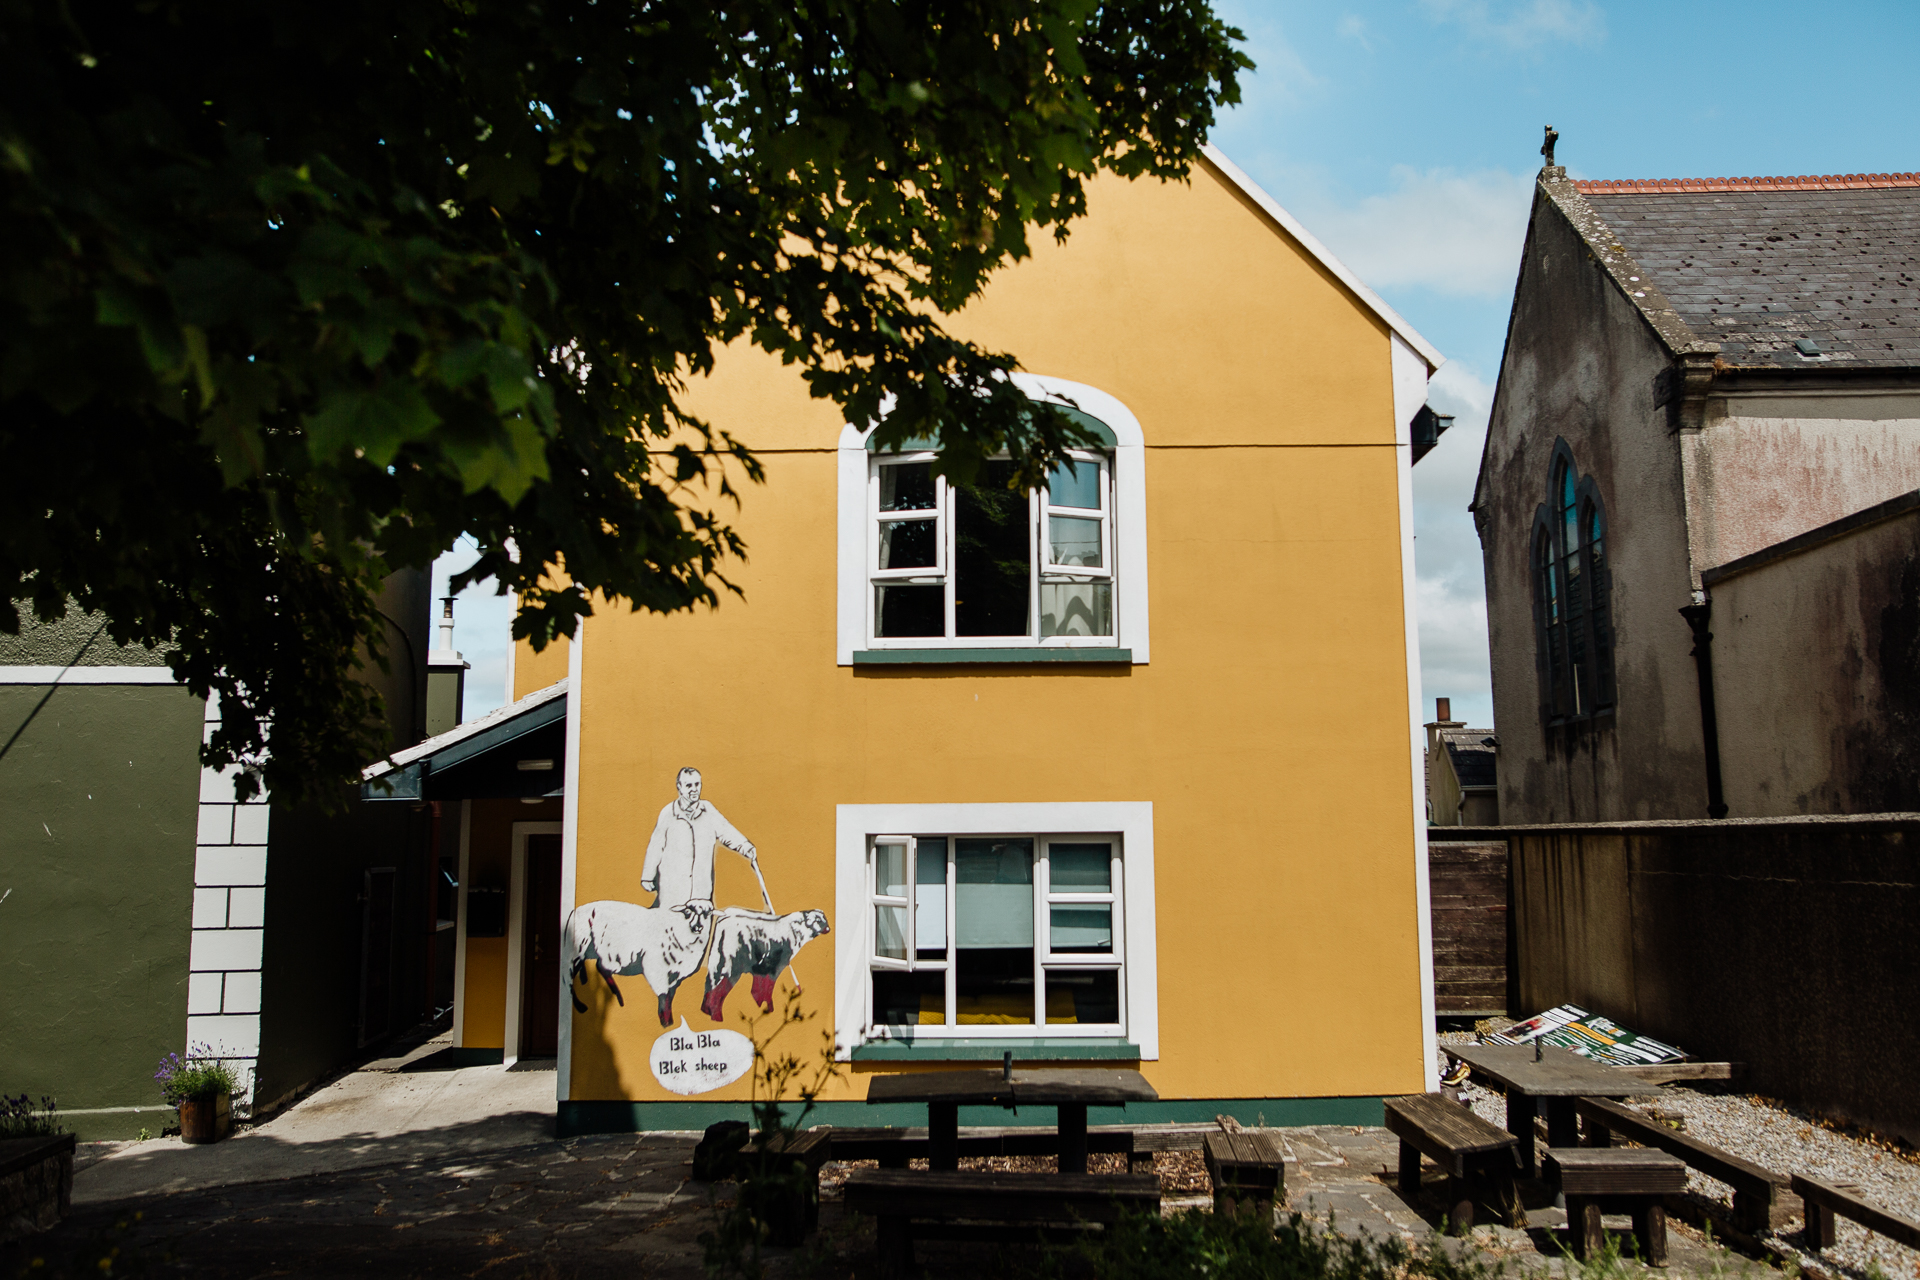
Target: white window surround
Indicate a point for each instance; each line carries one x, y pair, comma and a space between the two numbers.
1129, 532
855, 824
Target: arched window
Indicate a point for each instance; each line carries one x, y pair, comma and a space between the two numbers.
1571, 595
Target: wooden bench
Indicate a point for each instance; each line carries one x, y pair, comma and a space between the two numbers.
1825, 1199
1759, 1195
1620, 1180
894, 1147
1248, 1172
967, 1205
791, 1219
1479, 1158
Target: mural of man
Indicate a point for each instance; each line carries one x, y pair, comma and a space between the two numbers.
679, 865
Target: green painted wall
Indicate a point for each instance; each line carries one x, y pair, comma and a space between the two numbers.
99, 788
77, 639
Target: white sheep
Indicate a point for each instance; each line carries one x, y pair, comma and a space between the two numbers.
758, 943
664, 945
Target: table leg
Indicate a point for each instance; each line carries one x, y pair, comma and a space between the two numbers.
1563, 1126
1073, 1137
1520, 1108
943, 1136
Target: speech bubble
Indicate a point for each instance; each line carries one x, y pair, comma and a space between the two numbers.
690, 1062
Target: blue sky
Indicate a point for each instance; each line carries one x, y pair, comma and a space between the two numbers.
1405, 134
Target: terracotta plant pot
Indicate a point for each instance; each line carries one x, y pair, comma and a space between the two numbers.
206, 1119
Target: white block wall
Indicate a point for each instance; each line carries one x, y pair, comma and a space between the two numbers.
229, 915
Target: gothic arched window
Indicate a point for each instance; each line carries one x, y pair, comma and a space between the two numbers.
1572, 587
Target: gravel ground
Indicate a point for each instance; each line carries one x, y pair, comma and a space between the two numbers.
1788, 1140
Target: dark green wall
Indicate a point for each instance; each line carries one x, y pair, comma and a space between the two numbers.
310, 984
98, 804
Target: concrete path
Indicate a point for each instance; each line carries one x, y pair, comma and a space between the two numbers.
393, 1111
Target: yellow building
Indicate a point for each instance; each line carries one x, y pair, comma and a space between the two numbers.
1128, 770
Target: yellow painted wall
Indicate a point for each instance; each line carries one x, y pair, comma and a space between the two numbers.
1271, 729
490, 862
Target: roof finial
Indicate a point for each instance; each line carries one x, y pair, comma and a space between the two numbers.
1546, 148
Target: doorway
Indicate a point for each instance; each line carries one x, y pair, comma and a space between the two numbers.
540, 956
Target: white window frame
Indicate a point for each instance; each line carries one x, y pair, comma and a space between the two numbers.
1045, 959
1041, 511
1124, 541
1129, 824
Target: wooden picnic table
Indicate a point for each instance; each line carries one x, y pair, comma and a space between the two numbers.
1069, 1089
1558, 1079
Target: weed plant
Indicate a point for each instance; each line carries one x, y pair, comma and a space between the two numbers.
1197, 1245
774, 1190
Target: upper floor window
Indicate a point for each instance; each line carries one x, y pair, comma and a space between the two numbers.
983, 562
984, 573
1572, 589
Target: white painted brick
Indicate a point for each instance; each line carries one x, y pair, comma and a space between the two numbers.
235, 1035
243, 993
216, 785
250, 824
225, 949
210, 909
203, 993
216, 824
230, 866
246, 908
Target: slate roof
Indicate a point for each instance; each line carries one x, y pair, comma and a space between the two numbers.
1475, 757
1754, 264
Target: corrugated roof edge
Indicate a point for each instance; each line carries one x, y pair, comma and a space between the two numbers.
1291, 225
1804, 182
499, 715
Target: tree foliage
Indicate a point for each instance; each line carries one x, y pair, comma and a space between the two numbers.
294, 294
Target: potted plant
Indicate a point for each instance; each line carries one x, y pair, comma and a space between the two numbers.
201, 1086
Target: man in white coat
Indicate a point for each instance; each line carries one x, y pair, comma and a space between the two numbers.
679, 865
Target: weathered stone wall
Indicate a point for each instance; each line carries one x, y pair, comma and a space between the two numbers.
1581, 365
36, 1184
1788, 944
1817, 676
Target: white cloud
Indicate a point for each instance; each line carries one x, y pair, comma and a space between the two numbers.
1354, 27
1450, 590
1526, 24
1455, 233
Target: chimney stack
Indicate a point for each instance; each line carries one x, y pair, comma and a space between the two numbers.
446, 677
1442, 707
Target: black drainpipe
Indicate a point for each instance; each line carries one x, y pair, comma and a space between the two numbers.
1696, 616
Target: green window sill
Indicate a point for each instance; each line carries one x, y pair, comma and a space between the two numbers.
942, 1049
952, 657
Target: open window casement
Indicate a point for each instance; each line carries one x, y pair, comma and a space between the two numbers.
996, 935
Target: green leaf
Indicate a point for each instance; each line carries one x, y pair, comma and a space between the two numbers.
370, 421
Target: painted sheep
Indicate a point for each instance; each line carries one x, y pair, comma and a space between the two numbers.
664, 945
757, 943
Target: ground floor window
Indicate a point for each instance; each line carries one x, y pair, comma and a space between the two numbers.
985, 934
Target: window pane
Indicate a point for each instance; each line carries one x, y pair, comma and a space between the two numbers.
993, 894
1083, 995
889, 932
907, 487
1076, 609
1080, 868
909, 999
1074, 542
930, 899
901, 612
890, 870
1081, 928
993, 558
994, 986
908, 544
1075, 485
